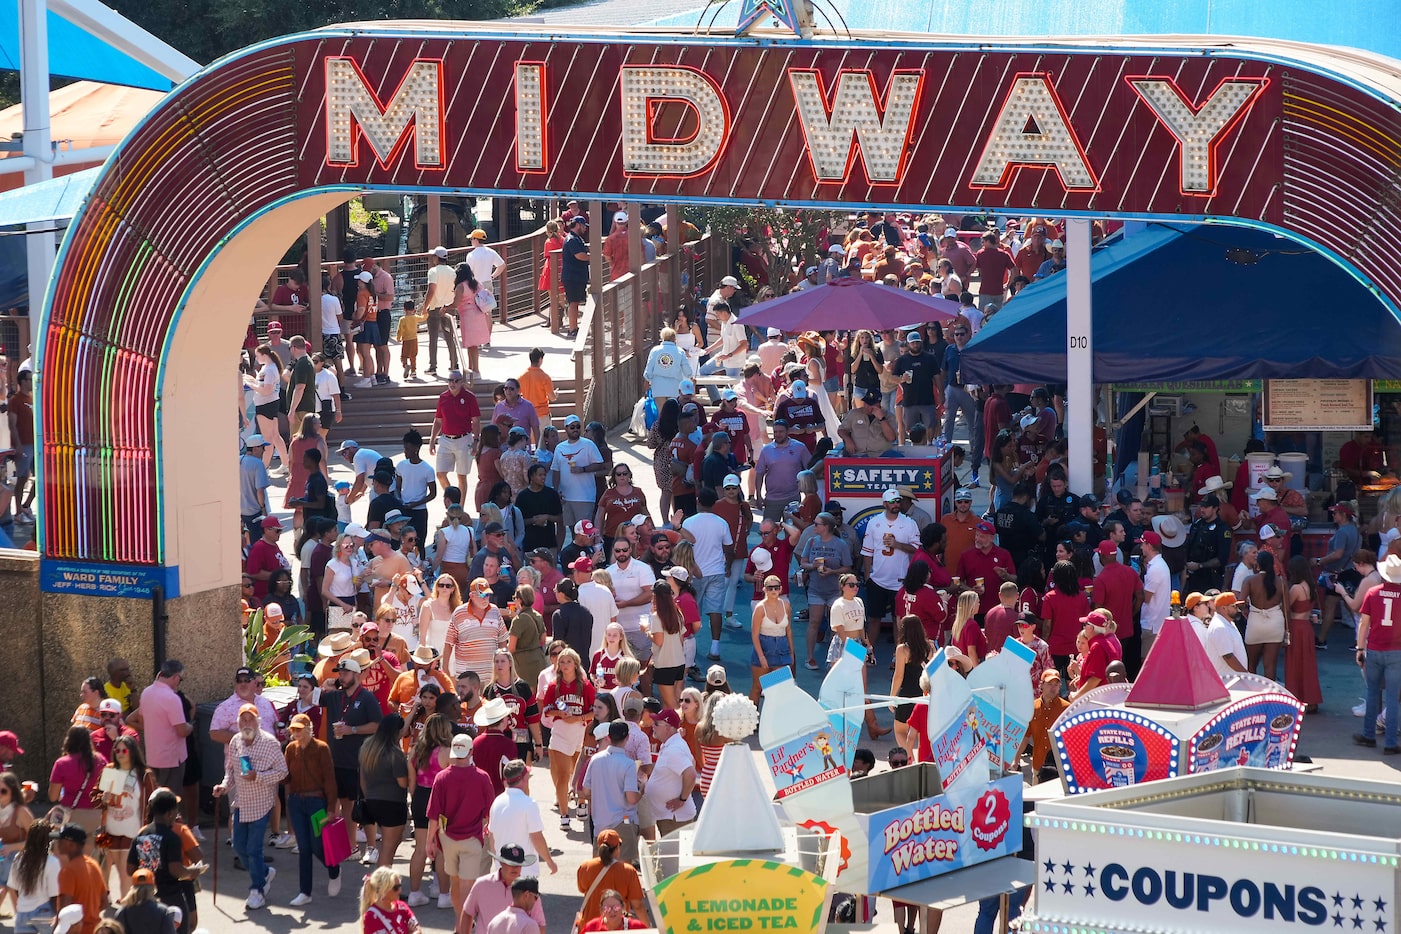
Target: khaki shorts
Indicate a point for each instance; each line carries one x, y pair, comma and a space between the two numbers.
463, 859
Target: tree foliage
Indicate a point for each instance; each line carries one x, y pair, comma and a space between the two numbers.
790, 237
206, 30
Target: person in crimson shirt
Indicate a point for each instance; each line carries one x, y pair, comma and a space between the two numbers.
1120, 591
1379, 655
985, 565
997, 415
292, 298
455, 421
1202, 469
800, 411
1104, 649
1062, 609
1362, 456
1033, 253
917, 598
682, 451
780, 551
1194, 435
264, 557
729, 419
1000, 622
995, 267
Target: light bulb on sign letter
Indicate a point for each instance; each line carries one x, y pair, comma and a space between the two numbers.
532, 150
415, 109
1198, 129
1032, 101
644, 153
857, 119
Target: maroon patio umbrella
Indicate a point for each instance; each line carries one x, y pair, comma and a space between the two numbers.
848, 305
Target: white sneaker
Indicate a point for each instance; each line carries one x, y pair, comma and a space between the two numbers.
199, 834
433, 891
417, 899
1360, 710
301, 899
732, 622
333, 888
445, 900
371, 856
284, 841
267, 883
255, 900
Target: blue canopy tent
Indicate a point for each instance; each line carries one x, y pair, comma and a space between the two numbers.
1198, 302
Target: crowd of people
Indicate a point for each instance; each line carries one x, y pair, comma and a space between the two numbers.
548, 621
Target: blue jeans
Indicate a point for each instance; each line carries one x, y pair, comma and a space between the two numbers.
248, 844
710, 368
299, 811
957, 399
989, 907
1383, 673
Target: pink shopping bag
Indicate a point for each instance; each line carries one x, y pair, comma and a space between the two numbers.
335, 842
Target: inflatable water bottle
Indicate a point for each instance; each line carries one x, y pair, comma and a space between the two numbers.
1001, 689
957, 733
801, 749
843, 689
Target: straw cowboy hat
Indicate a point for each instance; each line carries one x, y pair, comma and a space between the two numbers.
424, 655
1214, 485
493, 711
1171, 530
337, 643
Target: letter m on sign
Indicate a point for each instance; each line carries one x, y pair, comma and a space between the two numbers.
857, 119
353, 109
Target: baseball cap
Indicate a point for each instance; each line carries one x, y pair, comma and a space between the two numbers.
276, 325
800, 389
1192, 600
914, 337
638, 520
349, 664
963, 495
491, 528
573, 420
1226, 599
730, 480
1343, 508
255, 441
1211, 500
633, 704
461, 747
1027, 619
1050, 674
775, 332
581, 564
542, 553
73, 833
8, 738
273, 611
1152, 538
987, 528
363, 277
143, 877
836, 248
584, 527
686, 386
676, 573
891, 495
728, 395
356, 530
300, 721
578, 219
620, 217
109, 705
1089, 502
871, 396
600, 731
1106, 547
348, 445
670, 717
715, 675
369, 626
272, 522
731, 281
1095, 618
762, 558
440, 251
245, 672
248, 709
478, 234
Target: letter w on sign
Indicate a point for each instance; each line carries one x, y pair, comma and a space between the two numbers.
857, 119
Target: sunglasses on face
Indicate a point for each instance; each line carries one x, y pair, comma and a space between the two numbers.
243, 680
772, 587
849, 584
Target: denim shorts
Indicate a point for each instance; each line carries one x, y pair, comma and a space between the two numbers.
832, 384
776, 652
710, 591
34, 922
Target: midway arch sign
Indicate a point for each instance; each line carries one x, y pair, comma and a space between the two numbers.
166, 255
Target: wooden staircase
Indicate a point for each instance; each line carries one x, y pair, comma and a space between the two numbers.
377, 417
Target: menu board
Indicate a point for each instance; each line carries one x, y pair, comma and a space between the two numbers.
1318, 405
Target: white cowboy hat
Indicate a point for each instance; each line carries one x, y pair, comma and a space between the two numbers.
493, 711
1390, 569
1171, 530
1275, 473
1213, 485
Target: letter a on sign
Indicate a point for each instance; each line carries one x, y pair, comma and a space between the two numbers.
1033, 130
1198, 129
857, 119
645, 151
352, 108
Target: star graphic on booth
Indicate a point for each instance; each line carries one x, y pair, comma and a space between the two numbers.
1089, 890
1357, 901
1338, 921
1337, 899
1050, 867
1381, 925
1069, 869
1050, 885
1381, 905
1089, 870
1069, 889
785, 11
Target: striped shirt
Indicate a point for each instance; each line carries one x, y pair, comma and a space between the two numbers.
471, 643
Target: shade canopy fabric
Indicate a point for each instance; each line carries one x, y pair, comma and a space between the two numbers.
1183, 302
848, 305
57, 199
76, 53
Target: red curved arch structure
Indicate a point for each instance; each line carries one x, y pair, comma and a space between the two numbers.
1304, 141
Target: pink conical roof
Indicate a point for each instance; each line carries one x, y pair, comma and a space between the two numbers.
1177, 674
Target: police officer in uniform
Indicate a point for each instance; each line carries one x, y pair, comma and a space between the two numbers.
1208, 547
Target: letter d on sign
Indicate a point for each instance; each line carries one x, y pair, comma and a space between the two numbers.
645, 152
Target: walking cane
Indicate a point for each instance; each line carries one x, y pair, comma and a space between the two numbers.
214, 885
